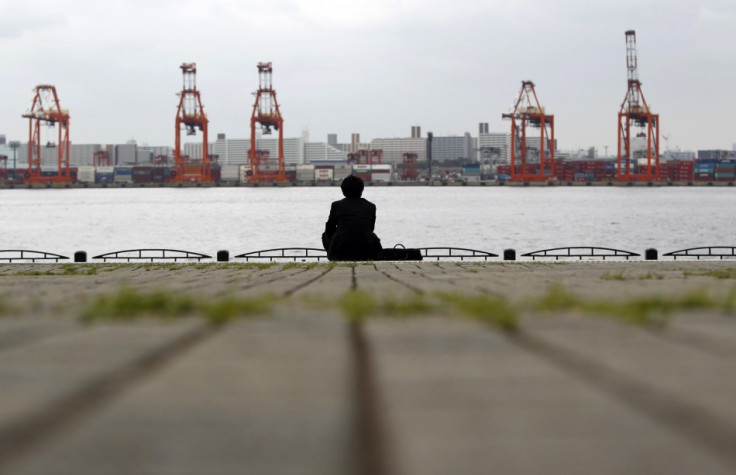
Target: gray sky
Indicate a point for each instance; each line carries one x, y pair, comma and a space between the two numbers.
374, 67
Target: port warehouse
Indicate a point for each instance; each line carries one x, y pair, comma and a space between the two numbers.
485, 157
141, 174
708, 168
482, 158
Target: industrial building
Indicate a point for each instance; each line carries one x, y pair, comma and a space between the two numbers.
395, 148
315, 152
454, 147
235, 151
297, 150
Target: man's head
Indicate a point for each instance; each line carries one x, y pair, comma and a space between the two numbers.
352, 186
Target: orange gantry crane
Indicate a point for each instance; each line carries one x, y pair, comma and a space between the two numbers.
636, 112
160, 161
101, 158
409, 169
264, 167
45, 109
529, 163
190, 114
366, 157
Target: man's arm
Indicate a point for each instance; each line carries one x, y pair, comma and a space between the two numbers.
331, 223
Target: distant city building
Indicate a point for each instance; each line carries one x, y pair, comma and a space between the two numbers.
147, 150
451, 148
82, 154
7, 151
2, 139
716, 154
49, 156
679, 155
126, 154
494, 147
231, 151
293, 149
235, 151
194, 150
564, 155
323, 152
394, 149
489, 148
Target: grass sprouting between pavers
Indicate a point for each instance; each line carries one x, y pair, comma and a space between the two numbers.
646, 311
129, 304
357, 305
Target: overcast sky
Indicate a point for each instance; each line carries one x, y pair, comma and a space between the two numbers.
374, 67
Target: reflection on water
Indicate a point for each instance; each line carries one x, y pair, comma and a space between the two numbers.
487, 218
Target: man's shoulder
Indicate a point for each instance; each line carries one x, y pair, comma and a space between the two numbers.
367, 203
353, 203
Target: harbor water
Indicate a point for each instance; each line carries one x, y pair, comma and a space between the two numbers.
486, 218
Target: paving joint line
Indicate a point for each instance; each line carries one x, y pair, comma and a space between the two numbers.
414, 289
695, 423
279, 276
370, 438
307, 282
21, 438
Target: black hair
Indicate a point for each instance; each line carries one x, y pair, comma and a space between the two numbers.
352, 186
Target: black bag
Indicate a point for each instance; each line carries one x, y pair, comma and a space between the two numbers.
399, 254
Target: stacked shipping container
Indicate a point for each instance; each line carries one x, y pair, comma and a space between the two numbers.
679, 171
703, 170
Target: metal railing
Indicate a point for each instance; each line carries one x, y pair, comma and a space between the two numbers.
23, 255
152, 255
307, 254
454, 253
720, 252
286, 254
581, 252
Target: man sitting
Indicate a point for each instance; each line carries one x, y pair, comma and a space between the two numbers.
349, 232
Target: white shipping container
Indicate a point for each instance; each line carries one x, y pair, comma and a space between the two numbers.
86, 174
244, 170
383, 177
341, 171
304, 172
381, 173
323, 174
642, 162
382, 168
230, 172
110, 170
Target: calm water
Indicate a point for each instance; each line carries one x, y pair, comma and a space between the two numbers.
487, 218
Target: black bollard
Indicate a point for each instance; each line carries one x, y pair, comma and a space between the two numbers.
651, 254
509, 254
223, 256
80, 256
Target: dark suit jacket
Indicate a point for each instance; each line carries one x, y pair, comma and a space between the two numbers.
349, 232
